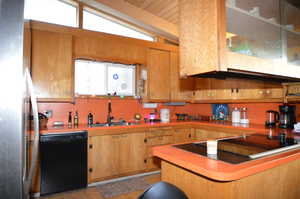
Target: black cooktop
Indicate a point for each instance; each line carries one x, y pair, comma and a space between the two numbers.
240, 149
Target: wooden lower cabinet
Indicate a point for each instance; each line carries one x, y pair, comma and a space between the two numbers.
130, 153
157, 137
281, 182
183, 135
113, 155
202, 134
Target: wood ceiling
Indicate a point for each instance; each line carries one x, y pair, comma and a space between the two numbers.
169, 10
166, 9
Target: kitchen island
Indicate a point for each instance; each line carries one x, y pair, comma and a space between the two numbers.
276, 176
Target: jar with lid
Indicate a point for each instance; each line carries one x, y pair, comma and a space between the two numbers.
235, 115
244, 116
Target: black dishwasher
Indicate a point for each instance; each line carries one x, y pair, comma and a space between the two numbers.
63, 162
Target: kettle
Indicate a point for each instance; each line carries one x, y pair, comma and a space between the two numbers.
272, 117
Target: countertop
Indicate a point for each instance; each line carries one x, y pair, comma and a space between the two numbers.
222, 171
221, 124
210, 168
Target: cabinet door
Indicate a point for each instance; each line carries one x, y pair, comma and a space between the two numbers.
103, 156
183, 135
158, 75
52, 68
202, 134
111, 155
132, 152
181, 89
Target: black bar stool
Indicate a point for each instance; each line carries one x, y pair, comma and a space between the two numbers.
163, 190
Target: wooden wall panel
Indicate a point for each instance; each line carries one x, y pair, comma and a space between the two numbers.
109, 49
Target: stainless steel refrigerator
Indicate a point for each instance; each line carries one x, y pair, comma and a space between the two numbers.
16, 104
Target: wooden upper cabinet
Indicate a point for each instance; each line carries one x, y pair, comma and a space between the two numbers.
257, 37
158, 75
52, 66
181, 89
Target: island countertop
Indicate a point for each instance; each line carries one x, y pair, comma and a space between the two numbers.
222, 171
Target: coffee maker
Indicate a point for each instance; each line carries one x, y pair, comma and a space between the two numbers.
287, 117
272, 117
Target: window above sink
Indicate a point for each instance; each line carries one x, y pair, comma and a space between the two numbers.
104, 78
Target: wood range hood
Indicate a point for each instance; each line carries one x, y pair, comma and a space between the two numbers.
204, 52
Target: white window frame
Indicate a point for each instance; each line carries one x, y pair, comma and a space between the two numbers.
109, 64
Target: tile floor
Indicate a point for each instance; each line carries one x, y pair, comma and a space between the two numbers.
92, 193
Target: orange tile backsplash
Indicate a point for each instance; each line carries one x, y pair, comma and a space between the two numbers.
126, 108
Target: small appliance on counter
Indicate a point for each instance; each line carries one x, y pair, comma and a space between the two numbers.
287, 117
165, 115
272, 117
181, 116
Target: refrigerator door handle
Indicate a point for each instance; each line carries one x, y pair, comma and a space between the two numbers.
34, 158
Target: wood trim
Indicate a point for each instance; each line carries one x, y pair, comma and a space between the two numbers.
255, 64
222, 28
239, 101
136, 16
119, 175
116, 19
60, 100
108, 59
88, 33
80, 15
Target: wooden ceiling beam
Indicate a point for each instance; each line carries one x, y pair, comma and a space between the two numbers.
137, 16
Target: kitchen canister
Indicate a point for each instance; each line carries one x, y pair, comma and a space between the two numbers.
164, 115
236, 115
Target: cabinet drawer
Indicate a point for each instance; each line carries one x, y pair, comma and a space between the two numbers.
160, 132
159, 140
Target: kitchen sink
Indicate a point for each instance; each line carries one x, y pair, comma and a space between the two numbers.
115, 124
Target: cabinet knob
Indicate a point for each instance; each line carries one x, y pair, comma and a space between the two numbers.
145, 160
90, 170
90, 146
145, 140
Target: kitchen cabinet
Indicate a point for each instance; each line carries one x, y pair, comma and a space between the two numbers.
157, 137
181, 88
205, 133
164, 82
201, 134
183, 135
158, 75
236, 90
52, 66
239, 37
114, 155
291, 92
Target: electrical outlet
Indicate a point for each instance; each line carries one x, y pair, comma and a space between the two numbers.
48, 113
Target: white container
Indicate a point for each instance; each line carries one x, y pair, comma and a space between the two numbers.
244, 116
212, 147
164, 115
235, 115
